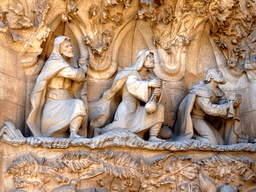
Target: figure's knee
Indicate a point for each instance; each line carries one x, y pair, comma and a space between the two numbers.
81, 103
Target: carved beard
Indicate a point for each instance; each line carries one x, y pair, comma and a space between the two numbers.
149, 64
68, 54
219, 80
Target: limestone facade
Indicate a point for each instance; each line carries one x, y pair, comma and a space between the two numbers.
128, 133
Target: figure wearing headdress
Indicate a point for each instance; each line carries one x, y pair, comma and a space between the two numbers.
138, 110
54, 106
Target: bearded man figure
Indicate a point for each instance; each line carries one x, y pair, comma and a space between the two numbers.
54, 106
138, 110
203, 102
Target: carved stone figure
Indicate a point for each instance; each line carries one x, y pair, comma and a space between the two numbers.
205, 100
54, 106
137, 84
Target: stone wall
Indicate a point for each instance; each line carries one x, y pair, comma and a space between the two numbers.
13, 89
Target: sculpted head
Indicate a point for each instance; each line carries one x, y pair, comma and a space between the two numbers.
66, 48
149, 61
145, 59
215, 75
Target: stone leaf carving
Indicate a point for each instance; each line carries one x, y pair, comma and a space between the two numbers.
30, 171
233, 29
164, 172
16, 17
171, 41
174, 174
32, 47
229, 170
9, 133
103, 33
41, 10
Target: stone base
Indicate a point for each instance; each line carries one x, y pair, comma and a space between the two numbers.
120, 161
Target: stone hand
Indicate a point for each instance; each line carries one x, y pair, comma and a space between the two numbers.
83, 61
235, 98
237, 102
156, 83
84, 67
157, 92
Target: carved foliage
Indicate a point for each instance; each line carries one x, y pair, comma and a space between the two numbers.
233, 26
230, 170
159, 173
16, 17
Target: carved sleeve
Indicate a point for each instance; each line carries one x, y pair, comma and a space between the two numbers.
210, 108
72, 73
138, 88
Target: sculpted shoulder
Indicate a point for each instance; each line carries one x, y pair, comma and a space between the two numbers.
201, 89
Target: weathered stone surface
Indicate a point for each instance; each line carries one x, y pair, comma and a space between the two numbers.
118, 169
186, 37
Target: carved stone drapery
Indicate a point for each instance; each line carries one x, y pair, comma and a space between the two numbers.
187, 38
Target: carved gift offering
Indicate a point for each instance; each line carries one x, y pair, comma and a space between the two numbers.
137, 84
164, 88
203, 102
54, 106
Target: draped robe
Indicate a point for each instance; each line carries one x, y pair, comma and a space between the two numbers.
130, 113
54, 109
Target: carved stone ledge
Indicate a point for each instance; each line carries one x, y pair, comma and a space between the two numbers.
124, 138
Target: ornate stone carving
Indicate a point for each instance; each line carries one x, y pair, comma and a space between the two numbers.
202, 101
54, 107
137, 84
164, 172
16, 17
10, 133
125, 97
120, 138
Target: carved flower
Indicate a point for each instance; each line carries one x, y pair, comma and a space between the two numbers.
117, 18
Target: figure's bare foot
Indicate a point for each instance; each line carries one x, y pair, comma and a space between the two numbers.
97, 131
155, 139
74, 135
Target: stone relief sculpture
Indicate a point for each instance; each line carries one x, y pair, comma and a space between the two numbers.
120, 171
137, 84
54, 106
206, 99
138, 59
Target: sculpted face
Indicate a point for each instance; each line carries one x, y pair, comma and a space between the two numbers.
149, 62
66, 49
218, 77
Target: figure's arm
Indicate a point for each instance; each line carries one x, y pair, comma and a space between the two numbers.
73, 73
138, 88
212, 109
223, 101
